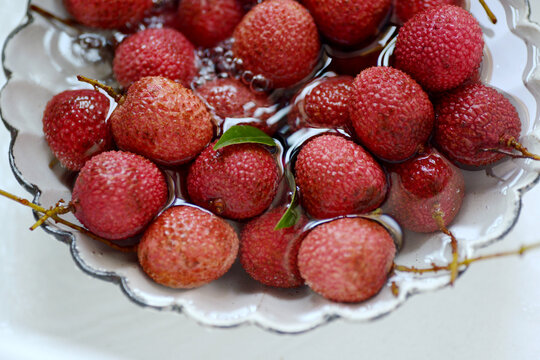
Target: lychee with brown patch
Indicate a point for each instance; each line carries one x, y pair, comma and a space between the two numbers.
118, 193
75, 126
269, 255
336, 177
278, 39
237, 181
186, 247
162, 120
347, 260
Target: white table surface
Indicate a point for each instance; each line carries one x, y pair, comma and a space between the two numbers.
50, 309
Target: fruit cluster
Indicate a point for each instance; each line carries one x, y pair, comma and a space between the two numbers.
236, 134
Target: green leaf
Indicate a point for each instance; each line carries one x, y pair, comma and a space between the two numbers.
291, 216
240, 134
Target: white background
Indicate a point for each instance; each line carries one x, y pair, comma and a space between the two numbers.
50, 309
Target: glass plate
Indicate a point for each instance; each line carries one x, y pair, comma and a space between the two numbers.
41, 59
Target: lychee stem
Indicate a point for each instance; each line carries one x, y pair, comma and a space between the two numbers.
513, 143
57, 210
467, 262
97, 85
53, 214
46, 14
489, 13
438, 216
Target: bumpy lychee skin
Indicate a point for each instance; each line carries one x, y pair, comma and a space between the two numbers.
186, 247
108, 14
278, 39
230, 98
423, 188
391, 114
338, 177
207, 22
75, 126
270, 256
236, 182
348, 22
162, 120
470, 121
118, 193
347, 260
406, 9
323, 102
155, 52
440, 48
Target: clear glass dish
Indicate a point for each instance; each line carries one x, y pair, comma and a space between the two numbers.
42, 59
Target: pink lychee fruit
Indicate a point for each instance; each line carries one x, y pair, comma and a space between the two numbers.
471, 122
348, 22
108, 14
155, 52
207, 22
336, 177
237, 181
75, 126
423, 190
162, 120
118, 193
268, 255
186, 247
230, 98
440, 47
406, 9
324, 102
391, 114
347, 260
278, 39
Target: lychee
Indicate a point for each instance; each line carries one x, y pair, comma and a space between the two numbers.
155, 52
348, 22
391, 114
186, 247
473, 122
440, 47
406, 9
162, 120
278, 39
118, 193
236, 182
108, 14
324, 102
424, 191
336, 176
230, 98
207, 22
75, 126
268, 255
347, 260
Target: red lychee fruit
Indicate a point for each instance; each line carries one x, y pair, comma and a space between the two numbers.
278, 39
155, 52
440, 47
162, 120
422, 189
348, 22
230, 98
186, 247
338, 177
118, 193
75, 126
347, 260
471, 122
406, 9
108, 14
391, 114
236, 182
270, 256
324, 102
207, 22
